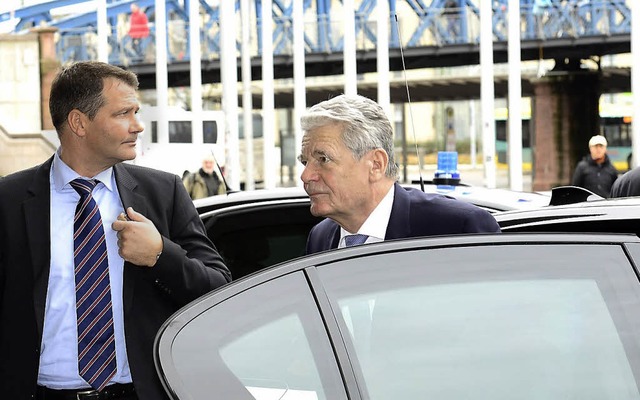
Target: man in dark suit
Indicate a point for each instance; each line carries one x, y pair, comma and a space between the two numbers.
350, 175
159, 257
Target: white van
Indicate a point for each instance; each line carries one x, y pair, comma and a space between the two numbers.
180, 151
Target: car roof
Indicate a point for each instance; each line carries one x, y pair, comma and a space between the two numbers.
491, 199
622, 210
248, 196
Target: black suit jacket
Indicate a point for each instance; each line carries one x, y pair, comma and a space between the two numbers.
414, 214
186, 269
627, 185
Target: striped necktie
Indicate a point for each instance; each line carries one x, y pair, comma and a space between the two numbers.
96, 346
354, 240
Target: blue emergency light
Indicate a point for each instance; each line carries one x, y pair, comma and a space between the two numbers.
447, 170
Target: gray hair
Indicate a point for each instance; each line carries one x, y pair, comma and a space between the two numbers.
365, 125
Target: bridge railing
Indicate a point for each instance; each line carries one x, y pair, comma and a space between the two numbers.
423, 28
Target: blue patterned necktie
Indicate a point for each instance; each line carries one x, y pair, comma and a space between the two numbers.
96, 346
354, 240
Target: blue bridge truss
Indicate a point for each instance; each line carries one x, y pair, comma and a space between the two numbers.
423, 23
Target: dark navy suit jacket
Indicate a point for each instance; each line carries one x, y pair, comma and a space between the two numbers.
414, 214
627, 185
186, 269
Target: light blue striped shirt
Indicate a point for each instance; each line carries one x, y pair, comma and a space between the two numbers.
59, 350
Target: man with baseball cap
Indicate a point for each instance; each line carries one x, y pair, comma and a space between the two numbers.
595, 171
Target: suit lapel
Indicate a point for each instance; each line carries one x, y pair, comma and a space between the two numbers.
334, 237
127, 186
399, 221
37, 217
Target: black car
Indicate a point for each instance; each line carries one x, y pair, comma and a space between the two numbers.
274, 224
499, 316
621, 215
492, 200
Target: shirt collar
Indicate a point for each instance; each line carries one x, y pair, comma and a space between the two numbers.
63, 174
375, 226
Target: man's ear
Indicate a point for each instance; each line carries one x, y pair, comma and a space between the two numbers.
77, 122
379, 162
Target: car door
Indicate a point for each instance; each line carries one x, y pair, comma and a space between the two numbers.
481, 316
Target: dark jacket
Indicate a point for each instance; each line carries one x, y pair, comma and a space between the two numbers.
186, 269
595, 177
199, 184
414, 214
627, 185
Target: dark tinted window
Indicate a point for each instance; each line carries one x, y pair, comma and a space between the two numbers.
210, 131
252, 238
154, 131
247, 251
617, 130
180, 132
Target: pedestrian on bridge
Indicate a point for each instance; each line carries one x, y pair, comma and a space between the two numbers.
138, 28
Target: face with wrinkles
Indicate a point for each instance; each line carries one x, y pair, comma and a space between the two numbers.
338, 185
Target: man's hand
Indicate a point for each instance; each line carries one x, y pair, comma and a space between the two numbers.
139, 242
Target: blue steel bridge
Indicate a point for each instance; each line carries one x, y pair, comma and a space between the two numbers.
434, 33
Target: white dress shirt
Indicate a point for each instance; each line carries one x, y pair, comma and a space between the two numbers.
375, 226
59, 350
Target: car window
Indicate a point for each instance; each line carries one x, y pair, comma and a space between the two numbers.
494, 322
250, 238
275, 349
249, 250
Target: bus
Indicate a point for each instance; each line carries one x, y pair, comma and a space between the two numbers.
615, 126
